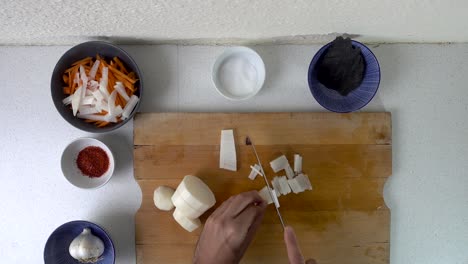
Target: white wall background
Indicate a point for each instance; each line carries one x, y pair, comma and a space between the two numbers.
231, 21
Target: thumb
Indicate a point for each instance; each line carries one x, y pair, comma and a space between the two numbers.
294, 253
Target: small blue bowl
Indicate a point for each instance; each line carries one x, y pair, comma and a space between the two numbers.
355, 100
56, 248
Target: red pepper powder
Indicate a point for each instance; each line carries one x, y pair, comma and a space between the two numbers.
93, 162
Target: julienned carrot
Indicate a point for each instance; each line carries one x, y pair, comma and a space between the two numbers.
117, 72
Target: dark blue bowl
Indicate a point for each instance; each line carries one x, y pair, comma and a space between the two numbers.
56, 248
355, 100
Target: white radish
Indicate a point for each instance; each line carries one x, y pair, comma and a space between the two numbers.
67, 100
289, 171
118, 111
265, 194
197, 194
162, 198
185, 207
279, 163
283, 183
295, 187
88, 100
297, 163
127, 111
97, 118
87, 110
120, 88
255, 171
186, 223
227, 151
111, 104
275, 199
76, 100
93, 71
303, 181
276, 186
103, 82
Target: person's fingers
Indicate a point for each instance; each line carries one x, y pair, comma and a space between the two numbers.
311, 261
249, 221
242, 201
292, 247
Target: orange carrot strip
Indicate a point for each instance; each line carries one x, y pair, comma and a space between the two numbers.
119, 73
103, 124
121, 66
66, 90
89, 121
83, 61
132, 75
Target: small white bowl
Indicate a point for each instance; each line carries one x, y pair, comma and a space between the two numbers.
71, 171
238, 73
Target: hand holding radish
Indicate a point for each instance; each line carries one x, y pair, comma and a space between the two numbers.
230, 229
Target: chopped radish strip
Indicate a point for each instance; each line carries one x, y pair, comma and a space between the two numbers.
76, 100
111, 103
97, 118
84, 80
265, 194
76, 79
67, 100
297, 163
93, 71
227, 152
275, 198
103, 82
87, 100
289, 171
118, 111
87, 110
93, 85
279, 164
98, 95
276, 185
284, 186
304, 182
121, 90
255, 171
130, 106
295, 187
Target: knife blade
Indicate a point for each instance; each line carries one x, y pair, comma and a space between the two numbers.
248, 141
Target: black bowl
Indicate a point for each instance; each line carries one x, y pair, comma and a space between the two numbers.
78, 52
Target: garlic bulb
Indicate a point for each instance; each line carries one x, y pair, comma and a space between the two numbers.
86, 247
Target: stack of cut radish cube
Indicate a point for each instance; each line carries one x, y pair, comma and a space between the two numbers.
294, 181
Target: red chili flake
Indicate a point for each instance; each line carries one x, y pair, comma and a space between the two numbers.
93, 162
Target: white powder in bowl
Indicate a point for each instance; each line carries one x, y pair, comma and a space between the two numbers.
237, 76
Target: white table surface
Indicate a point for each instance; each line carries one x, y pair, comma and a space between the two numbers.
424, 86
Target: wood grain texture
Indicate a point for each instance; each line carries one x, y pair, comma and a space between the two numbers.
348, 158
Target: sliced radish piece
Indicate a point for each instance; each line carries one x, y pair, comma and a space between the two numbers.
87, 110
93, 71
255, 171
279, 163
289, 171
275, 198
98, 95
303, 181
295, 187
118, 111
130, 106
93, 85
185, 207
187, 223
103, 82
97, 118
111, 104
197, 194
67, 100
265, 194
121, 90
297, 163
76, 100
276, 186
88, 100
84, 80
227, 152
162, 198
283, 183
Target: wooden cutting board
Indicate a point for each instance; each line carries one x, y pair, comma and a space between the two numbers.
348, 158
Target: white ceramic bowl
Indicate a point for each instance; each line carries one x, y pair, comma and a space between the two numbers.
238, 73
73, 174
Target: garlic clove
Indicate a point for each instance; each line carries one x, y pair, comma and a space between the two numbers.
86, 247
